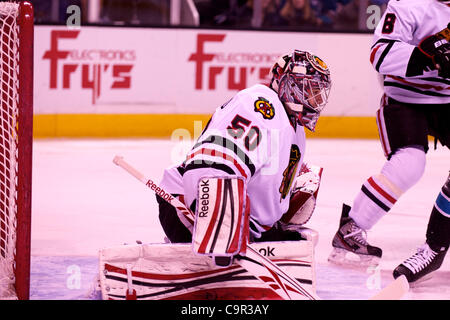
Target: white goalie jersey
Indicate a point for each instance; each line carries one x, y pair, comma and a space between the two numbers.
251, 137
404, 25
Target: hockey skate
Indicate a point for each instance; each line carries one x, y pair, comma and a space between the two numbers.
350, 246
421, 265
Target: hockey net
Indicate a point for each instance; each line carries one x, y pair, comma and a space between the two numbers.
16, 74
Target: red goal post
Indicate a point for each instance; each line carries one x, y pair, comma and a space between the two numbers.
16, 141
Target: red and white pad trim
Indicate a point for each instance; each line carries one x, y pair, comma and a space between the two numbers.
173, 271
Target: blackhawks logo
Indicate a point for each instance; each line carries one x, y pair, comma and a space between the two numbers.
289, 172
318, 64
264, 107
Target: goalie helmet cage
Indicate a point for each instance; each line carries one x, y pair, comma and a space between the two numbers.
16, 139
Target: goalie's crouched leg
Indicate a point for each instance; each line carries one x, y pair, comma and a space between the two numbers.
174, 229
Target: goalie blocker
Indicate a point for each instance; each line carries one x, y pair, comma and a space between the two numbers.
222, 219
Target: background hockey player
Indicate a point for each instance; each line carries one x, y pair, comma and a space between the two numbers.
258, 137
411, 50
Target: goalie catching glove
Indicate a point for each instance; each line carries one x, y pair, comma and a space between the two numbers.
304, 195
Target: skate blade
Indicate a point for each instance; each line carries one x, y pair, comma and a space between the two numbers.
422, 281
344, 257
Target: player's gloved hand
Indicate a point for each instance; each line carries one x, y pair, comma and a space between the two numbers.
442, 60
437, 48
304, 195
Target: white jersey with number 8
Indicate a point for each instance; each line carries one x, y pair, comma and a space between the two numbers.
403, 26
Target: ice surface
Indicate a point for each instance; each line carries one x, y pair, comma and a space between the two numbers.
83, 202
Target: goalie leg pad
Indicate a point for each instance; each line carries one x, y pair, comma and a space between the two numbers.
173, 272
221, 224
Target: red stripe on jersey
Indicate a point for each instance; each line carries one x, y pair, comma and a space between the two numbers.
381, 191
212, 221
374, 51
219, 154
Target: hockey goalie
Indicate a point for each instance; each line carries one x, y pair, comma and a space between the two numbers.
246, 182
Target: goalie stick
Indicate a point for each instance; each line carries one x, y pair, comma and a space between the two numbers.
394, 291
261, 267
185, 215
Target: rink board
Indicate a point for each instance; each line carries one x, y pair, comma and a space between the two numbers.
174, 272
165, 126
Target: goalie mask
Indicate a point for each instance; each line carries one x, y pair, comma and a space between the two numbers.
302, 81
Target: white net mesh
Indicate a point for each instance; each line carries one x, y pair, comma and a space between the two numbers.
9, 58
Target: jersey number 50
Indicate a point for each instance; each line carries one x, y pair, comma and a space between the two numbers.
238, 128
